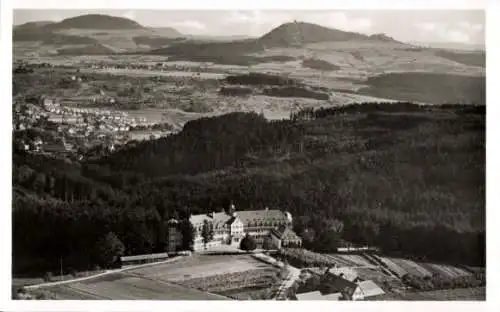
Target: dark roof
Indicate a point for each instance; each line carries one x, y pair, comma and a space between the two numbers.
144, 257
247, 216
285, 233
331, 283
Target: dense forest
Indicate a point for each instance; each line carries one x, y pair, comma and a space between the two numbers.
406, 178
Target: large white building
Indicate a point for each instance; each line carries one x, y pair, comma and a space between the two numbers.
230, 227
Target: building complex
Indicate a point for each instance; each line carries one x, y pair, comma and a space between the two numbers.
229, 227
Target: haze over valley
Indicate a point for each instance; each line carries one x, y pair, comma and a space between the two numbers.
256, 155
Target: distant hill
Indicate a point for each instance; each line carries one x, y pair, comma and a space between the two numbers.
301, 32
236, 52
232, 52
221, 38
91, 49
450, 46
167, 32
34, 33
156, 41
32, 25
95, 21
470, 58
383, 38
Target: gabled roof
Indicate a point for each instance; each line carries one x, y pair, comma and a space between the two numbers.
316, 295
331, 283
232, 220
247, 216
285, 233
370, 289
218, 218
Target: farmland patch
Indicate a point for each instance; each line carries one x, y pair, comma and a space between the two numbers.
250, 284
128, 288
200, 266
460, 294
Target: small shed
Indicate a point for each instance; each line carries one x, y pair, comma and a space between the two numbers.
317, 295
141, 259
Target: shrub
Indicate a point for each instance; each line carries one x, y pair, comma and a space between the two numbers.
293, 91
109, 249
45, 295
235, 91
48, 277
319, 64
248, 243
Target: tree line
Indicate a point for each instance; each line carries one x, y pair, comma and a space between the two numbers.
410, 184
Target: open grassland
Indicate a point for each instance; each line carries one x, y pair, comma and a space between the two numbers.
194, 278
411, 267
446, 270
466, 58
460, 294
428, 87
123, 286
401, 267
377, 58
200, 266
351, 260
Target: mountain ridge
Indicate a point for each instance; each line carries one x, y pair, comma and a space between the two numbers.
96, 21
294, 33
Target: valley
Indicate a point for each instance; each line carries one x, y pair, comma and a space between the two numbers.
121, 130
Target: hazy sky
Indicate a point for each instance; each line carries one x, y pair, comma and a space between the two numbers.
461, 26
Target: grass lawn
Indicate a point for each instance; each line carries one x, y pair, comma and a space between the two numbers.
121, 286
461, 294
199, 266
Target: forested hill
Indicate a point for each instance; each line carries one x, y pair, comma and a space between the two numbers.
407, 178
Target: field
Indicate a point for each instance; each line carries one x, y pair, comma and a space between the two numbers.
364, 72
199, 266
192, 278
386, 282
403, 266
411, 267
461, 294
351, 260
252, 284
128, 287
446, 270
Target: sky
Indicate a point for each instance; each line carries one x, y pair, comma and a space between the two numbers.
432, 26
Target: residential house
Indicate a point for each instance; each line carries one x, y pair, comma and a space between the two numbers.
332, 284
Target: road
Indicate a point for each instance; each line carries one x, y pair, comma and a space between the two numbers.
293, 275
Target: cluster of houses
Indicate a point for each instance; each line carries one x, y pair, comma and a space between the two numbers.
161, 66
27, 116
338, 284
69, 128
230, 227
